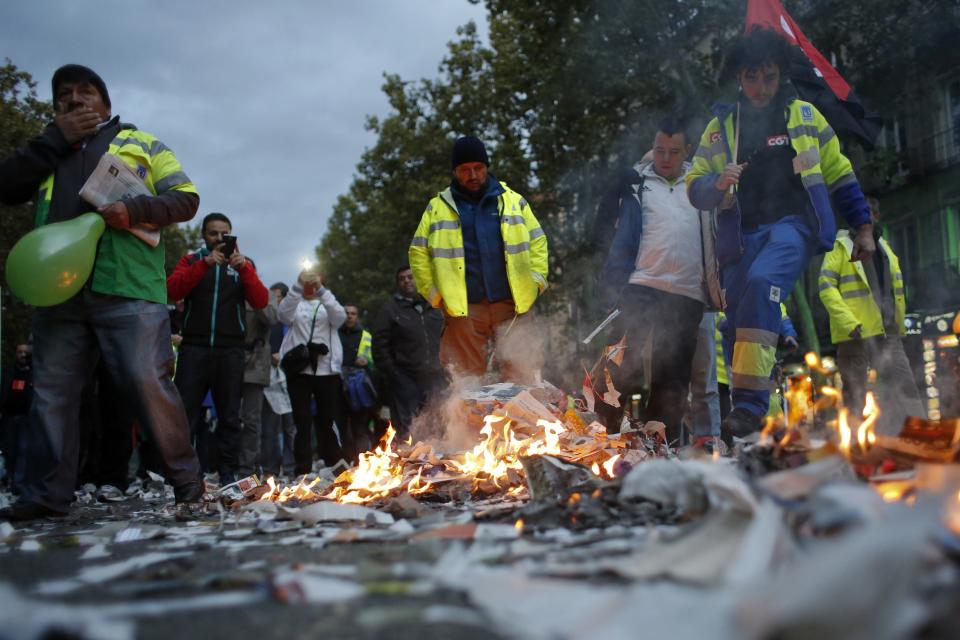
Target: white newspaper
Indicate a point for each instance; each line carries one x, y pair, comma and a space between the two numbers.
113, 180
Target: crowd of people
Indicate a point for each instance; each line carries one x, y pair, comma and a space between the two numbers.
269, 381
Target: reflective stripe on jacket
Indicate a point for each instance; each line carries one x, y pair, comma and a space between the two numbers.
127, 266
365, 350
845, 292
825, 172
437, 256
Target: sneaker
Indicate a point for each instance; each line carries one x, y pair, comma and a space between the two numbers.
739, 423
110, 493
26, 511
707, 445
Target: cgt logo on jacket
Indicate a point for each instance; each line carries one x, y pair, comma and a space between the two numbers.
781, 140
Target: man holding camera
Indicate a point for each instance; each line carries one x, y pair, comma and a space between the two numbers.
311, 357
214, 282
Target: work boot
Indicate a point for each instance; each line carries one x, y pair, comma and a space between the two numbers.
26, 511
192, 492
739, 422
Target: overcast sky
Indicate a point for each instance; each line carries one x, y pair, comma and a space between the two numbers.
263, 102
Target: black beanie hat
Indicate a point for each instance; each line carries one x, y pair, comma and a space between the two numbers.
79, 73
469, 149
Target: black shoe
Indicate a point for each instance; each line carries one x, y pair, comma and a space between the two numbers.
26, 511
740, 423
192, 492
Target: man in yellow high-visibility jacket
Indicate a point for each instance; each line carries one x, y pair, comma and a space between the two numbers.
866, 304
480, 255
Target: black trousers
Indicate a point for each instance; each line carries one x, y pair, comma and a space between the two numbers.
219, 370
669, 322
325, 390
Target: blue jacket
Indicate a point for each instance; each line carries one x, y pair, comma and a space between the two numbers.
486, 269
622, 257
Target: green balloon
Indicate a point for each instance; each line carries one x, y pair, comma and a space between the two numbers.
52, 263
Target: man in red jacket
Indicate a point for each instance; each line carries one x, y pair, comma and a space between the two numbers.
214, 287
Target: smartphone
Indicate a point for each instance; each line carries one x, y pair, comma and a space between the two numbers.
229, 245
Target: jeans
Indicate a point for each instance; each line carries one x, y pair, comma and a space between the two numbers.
133, 339
221, 371
669, 321
277, 433
15, 429
409, 394
251, 421
898, 392
704, 397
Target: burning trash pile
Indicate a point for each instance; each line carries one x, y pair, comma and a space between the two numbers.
816, 424
513, 425
545, 526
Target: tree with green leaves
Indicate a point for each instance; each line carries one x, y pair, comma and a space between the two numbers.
22, 116
179, 240
567, 94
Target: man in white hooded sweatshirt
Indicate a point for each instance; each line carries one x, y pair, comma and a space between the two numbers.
654, 272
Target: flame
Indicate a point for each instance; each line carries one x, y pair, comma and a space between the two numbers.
376, 475
954, 515
595, 468
493, 464
501, 450
865, 433
271, 494
610, 465
766, 434
843, 430
415, 488
518, 525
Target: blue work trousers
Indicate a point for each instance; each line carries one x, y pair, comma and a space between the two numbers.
774, 257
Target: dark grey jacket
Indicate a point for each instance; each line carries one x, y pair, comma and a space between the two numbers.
257, 344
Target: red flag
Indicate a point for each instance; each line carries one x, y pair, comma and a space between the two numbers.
770, 13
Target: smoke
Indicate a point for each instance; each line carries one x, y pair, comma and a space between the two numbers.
447, 422
444, 421
520, 350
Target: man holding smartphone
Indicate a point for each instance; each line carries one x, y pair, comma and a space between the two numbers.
214, 283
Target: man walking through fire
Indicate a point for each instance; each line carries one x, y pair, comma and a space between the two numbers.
655, 272
481, 254
771, 166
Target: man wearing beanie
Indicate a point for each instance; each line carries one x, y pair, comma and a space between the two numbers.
120, 315
480, 255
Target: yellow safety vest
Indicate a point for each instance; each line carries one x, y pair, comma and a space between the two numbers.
823, 170
438, 261
845, 292
722, 377
127, 266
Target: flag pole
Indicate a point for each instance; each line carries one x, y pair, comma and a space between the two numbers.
736, 141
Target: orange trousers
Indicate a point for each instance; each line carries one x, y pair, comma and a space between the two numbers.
467, 341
